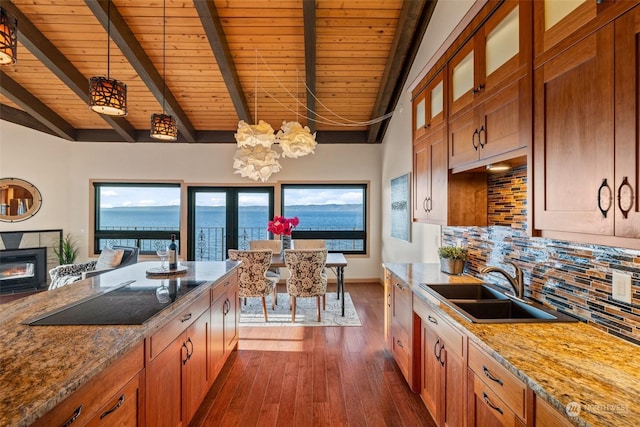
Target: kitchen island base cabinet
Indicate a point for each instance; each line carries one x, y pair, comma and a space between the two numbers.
113, 397
398, 324
546, 415
225, 320
177, 375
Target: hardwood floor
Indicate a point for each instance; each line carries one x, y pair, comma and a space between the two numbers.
315, 376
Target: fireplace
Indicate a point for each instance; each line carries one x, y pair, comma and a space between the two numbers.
23, 270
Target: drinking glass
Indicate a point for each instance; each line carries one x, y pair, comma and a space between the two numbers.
163, 252
162, 293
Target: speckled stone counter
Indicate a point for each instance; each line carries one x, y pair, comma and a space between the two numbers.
561, 362
41, 365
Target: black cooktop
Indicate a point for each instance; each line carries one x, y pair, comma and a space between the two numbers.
133, 303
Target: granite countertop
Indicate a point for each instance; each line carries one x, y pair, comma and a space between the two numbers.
42, 365
561, 362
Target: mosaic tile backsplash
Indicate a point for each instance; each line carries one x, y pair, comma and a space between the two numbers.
572, 277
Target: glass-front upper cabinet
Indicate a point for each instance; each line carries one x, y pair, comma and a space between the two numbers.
499, 50
429, 106
562, 23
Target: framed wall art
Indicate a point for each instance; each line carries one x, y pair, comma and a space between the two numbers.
401, 208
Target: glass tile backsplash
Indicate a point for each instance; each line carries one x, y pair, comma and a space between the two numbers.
572, 277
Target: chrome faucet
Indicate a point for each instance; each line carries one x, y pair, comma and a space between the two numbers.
516, 281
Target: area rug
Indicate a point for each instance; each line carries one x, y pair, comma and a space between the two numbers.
306, 314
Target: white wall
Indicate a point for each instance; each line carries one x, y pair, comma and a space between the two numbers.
61, 170
396, 147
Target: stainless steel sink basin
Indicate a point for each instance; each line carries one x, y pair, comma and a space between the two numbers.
467, 292
481, 303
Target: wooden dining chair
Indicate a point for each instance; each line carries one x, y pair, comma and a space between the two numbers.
252, 278
307, 277
272, 272
309, 244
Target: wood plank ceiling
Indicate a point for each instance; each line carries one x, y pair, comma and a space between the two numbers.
353, 55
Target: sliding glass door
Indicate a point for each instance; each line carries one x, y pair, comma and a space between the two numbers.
222, 218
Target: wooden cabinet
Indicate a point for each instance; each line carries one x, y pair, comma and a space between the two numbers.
442, 367
429, 106
431, 177
495, 396
113, 397
546, 415
587, 179
399, 318
177, 373
225, 320
560, 23
490, 90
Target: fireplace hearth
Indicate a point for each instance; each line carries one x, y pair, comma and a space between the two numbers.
23, 270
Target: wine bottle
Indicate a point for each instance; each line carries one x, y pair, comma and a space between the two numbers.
173, 253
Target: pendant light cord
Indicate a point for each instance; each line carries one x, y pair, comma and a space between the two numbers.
164, 54
108, 38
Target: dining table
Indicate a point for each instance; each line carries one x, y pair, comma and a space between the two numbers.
336, 262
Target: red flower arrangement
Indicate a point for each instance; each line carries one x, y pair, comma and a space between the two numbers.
282, 225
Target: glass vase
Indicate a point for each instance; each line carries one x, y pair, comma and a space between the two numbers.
286, 242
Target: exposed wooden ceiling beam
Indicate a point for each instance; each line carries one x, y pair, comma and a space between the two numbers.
412, 24
21, 118
218, 41
32, 105
309, 18
135, 54
59, 65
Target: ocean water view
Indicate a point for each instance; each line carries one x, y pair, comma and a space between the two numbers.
210, 223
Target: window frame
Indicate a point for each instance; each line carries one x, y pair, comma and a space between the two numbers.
136, 235
334, 234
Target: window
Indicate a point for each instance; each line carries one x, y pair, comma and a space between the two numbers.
140, 214
336, 213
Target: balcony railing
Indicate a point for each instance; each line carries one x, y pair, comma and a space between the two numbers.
211, 241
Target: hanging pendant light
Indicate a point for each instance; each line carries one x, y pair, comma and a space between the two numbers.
163, 126
8, 38
106, 95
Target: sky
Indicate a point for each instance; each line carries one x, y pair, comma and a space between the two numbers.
145, 196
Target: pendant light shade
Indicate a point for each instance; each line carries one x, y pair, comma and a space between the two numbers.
164, 127
108, 96
8, 39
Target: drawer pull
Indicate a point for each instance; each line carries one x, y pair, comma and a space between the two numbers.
117, 405
491, 405
399, 286
74, 417
489, 375
185, 318
432, 319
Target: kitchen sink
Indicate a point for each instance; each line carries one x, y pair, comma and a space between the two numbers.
481, 303
467, 292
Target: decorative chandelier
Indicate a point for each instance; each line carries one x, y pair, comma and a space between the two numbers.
8, 38
106, 95
255, 157
163, 126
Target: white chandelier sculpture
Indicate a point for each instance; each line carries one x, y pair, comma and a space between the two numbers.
256, 159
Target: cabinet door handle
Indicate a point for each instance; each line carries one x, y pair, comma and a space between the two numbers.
74, 416
435, 352
432, 319
425, 204
428, 200
427, 126
604, 185
477, 88
185, 318
480, 132
489, 375
430, 204
473, 139
625, 183
189, 354
117, 405
491, 405
399, 286
399, 344
186, 357
440, 355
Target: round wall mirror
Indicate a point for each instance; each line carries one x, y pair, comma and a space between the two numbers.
19, 200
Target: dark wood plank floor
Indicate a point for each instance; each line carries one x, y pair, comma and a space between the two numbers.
315, 376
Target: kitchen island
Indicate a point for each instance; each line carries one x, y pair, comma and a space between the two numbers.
41, 366
572, 367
